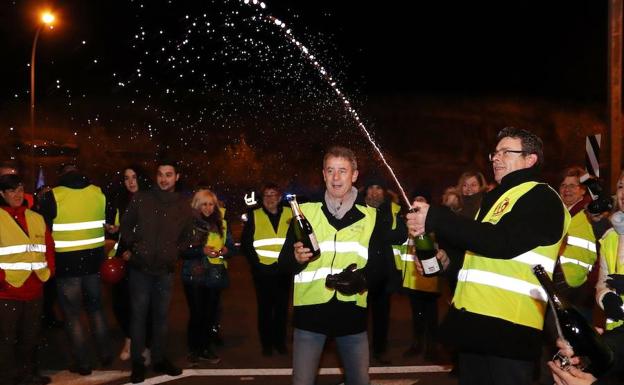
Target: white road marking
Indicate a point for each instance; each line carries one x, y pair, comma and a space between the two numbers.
99, 377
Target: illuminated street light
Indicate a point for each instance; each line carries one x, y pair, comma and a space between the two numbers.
46, 20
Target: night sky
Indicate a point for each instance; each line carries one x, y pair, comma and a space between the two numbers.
550, 49
207, 71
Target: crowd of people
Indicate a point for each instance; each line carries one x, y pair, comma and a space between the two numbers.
488, 238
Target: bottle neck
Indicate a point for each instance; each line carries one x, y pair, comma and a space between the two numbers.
295, 208
549, 288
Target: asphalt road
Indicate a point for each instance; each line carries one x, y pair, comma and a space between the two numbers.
242, 362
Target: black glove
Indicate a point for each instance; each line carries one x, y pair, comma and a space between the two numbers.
349, 281
616, 282
612, 304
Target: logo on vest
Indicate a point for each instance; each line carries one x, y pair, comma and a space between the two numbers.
500, 209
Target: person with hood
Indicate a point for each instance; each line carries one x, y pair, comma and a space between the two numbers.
26, 262
154, 231
75, 210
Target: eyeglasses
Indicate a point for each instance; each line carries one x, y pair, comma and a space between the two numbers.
503, 153
568, 186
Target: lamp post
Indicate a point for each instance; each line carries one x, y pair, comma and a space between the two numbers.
46, 19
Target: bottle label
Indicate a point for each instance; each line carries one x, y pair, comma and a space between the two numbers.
313, 241
430, 266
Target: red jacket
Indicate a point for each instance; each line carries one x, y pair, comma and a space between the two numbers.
33, 287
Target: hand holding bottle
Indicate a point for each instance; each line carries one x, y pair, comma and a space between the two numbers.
568, 374
415, 219
440, 255
302, 254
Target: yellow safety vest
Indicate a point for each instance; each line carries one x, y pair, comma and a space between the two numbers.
507, 288
80, 217
404, 257
266, 241
609, 251
579, 254
339, 249
22, 254
217, 241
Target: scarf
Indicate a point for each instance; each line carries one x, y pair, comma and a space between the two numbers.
339, 207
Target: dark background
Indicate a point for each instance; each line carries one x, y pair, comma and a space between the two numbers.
432, 81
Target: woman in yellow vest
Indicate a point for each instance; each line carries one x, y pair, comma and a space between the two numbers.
610, 284
26, 262
204, 275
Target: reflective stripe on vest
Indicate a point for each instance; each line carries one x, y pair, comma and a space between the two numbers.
77, 226
22, 249
80, 216
507, 288
344, 247
267, 241
582, 243
339, 248
83, 242
32, 266
579, 254
608, 250
563, 259
22, 254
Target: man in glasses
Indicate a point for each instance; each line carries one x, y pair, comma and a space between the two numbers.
498, 307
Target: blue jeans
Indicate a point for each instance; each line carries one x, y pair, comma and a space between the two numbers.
307, 349
149, 290
72, 292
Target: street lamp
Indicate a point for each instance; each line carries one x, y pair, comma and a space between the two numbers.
46, 20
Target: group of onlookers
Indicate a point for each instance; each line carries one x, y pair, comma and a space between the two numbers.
486, 241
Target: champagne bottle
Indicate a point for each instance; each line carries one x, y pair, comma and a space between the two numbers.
595, 355
426, 253
303, 229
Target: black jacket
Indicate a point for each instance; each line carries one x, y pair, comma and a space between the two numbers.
156, 227
536, 220
71, 263
338, 318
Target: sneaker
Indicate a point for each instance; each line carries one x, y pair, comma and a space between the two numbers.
124, 355
138, 373
166, 367
147, 357
209, 356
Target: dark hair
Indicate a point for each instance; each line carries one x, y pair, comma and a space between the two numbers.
169, 162
10, 182
269, 186
531, 143
142, 179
